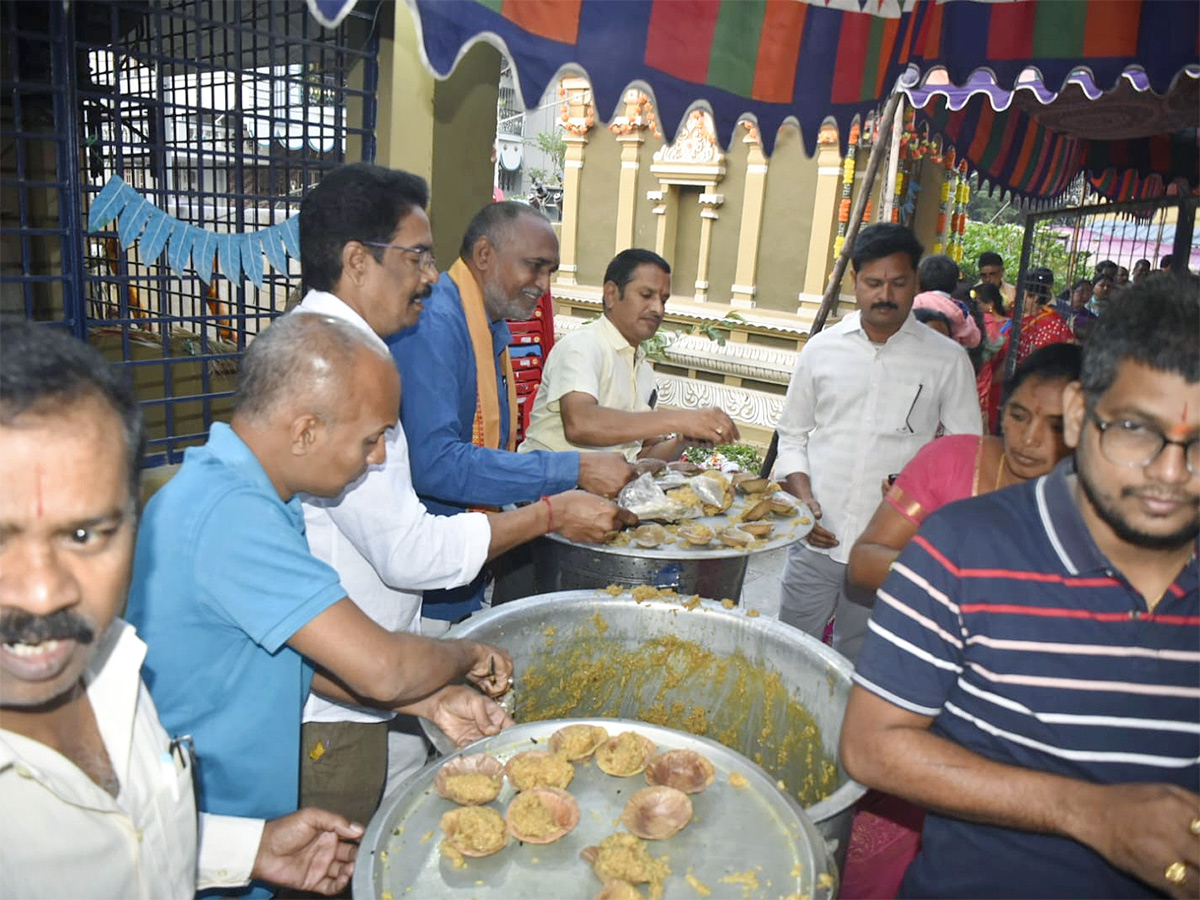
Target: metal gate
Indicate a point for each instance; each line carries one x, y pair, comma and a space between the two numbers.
1119, 232
219, 112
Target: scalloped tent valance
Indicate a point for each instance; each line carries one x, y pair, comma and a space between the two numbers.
1130, 143
792, 61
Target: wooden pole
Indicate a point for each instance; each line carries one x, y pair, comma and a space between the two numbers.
883, 138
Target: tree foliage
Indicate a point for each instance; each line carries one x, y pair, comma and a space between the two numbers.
1048, 250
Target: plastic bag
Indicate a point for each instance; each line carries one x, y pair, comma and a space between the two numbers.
647, 500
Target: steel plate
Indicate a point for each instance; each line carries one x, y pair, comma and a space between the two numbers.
756, 835
788, 530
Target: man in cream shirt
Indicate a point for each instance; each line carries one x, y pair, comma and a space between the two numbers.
866, 395
597, 389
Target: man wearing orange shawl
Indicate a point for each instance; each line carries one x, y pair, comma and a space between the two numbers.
459, 402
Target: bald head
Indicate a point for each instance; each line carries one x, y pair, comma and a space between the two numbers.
303, 361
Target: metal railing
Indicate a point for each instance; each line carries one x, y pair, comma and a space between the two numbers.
219, 112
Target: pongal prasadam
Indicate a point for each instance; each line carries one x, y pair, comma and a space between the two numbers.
474, 830
577, 742
625, 857
684, 770
624, 755
470, 780
539, 768
656, 813
616, 889
541, 815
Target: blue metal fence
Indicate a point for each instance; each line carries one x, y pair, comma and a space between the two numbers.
221, 113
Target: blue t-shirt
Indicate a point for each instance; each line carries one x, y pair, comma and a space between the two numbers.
437, 409
222, 579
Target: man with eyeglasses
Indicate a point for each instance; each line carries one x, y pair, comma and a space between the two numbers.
1032, 675
367, 259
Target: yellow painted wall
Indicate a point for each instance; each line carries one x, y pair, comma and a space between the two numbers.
441, 130
645, 223
723, 252
684, 257
787, 223
598, 205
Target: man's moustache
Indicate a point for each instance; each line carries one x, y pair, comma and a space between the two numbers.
422, 294
20, 627
885, 305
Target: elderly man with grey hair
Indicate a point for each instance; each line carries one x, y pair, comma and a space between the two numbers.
241, 619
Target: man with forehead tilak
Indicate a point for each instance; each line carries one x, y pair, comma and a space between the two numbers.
1032, 670
97, 800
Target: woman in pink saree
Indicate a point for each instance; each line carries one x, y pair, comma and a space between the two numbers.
887, 831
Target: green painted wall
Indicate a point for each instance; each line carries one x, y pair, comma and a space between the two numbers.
787, 223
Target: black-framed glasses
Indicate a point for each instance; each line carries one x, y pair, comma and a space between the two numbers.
1132, 444
424, 255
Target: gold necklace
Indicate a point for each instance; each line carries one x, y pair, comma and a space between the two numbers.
999, 471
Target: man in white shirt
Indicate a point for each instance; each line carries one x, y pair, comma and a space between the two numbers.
97, 800
867, 394
597, 390
367, 259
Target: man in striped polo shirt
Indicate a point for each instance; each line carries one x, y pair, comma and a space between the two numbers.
1032, 670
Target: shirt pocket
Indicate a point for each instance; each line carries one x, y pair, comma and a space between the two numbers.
908, 406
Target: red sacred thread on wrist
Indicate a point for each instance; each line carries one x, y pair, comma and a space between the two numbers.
549, 514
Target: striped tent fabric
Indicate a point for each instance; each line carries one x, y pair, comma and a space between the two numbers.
788, 60
1012, 150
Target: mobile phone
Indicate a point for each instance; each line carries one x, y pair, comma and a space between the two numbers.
892, 478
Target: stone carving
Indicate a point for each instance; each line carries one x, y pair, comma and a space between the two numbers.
742, 404
696, 143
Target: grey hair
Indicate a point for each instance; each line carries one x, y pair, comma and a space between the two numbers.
494, 222
302, 357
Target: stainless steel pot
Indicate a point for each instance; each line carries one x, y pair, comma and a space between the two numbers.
711, 571
776, 666
565, 566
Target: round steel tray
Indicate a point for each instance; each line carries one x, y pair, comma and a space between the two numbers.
756, 836
788, 530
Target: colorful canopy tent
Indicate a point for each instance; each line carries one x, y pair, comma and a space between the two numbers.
1131, 142
782, 60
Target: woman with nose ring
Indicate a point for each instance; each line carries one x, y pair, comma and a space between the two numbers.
886, 831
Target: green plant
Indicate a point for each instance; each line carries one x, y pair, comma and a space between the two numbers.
554, 146
1048, 250
747, 457
656, 347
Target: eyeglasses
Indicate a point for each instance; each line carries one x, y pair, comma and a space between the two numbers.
424, 255
1135, 445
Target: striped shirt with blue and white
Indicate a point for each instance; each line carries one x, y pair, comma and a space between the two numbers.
1004, 621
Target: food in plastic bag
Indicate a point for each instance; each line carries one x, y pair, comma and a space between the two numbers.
647, 500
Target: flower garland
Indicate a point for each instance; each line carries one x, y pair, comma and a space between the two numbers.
848, 166
643, 117
577, 124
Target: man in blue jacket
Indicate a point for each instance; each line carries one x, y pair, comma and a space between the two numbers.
459, 400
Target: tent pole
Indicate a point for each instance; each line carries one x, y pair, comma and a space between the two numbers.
889, 187
856, 212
